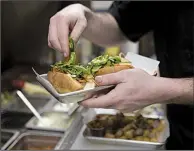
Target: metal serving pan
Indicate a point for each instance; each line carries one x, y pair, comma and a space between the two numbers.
35, 140
19, 106
32, 123
142, 144
13, 120
7, 137
53, 103
133, 143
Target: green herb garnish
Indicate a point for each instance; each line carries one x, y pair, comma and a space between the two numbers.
71, 45
101, 61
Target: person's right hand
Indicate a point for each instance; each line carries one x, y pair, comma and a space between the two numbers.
71, 20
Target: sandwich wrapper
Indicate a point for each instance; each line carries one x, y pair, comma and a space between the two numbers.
138, 61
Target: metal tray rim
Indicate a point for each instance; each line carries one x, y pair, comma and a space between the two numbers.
29, 125
52, 102
119, 141
42, 76
11, 140
34, 133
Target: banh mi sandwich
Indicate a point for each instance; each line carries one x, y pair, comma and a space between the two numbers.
67, 76
106, 64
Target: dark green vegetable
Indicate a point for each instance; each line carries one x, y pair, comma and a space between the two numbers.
70, 67
72, 59
71, 45
77, 71
6, 97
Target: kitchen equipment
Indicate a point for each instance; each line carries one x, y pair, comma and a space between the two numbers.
16, 105
7, 137
54, 121
28, 104
13, 120
132, 143
35, 140
54, 105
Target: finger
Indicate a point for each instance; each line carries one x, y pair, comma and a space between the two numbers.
53, 37
97, 94
49, 44
102, 101
63, 33
78, 29
109, 79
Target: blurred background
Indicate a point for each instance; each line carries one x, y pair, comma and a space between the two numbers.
24, 28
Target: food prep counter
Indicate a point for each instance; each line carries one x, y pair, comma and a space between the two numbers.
62, 138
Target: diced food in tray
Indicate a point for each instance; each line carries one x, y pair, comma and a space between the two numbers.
119, 126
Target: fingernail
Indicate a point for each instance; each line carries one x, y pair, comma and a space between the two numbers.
98, 79
65, 54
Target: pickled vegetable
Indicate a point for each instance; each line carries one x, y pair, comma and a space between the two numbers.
119, 133
109, 135
139, 138
153, 140
146, 139
146, 133
129, 134
123, 137
138, 132
129, 127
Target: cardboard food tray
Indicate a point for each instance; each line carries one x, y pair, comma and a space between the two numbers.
141, 144
138, 61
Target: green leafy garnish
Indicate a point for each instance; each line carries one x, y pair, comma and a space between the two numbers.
101, 61
71, 45
6, 97
70, 67
79, 71
72, 59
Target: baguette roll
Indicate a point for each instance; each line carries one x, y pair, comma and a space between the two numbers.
64, 83
113, 69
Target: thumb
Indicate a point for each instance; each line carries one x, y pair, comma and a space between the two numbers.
109, 79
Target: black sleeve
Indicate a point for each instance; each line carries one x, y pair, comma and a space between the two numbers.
136, 18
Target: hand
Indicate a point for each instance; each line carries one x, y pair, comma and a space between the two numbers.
69, 20
134, 90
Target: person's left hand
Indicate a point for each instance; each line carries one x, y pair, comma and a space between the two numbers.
134, 90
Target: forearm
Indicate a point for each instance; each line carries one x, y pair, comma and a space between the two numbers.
176, 91
102, 29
